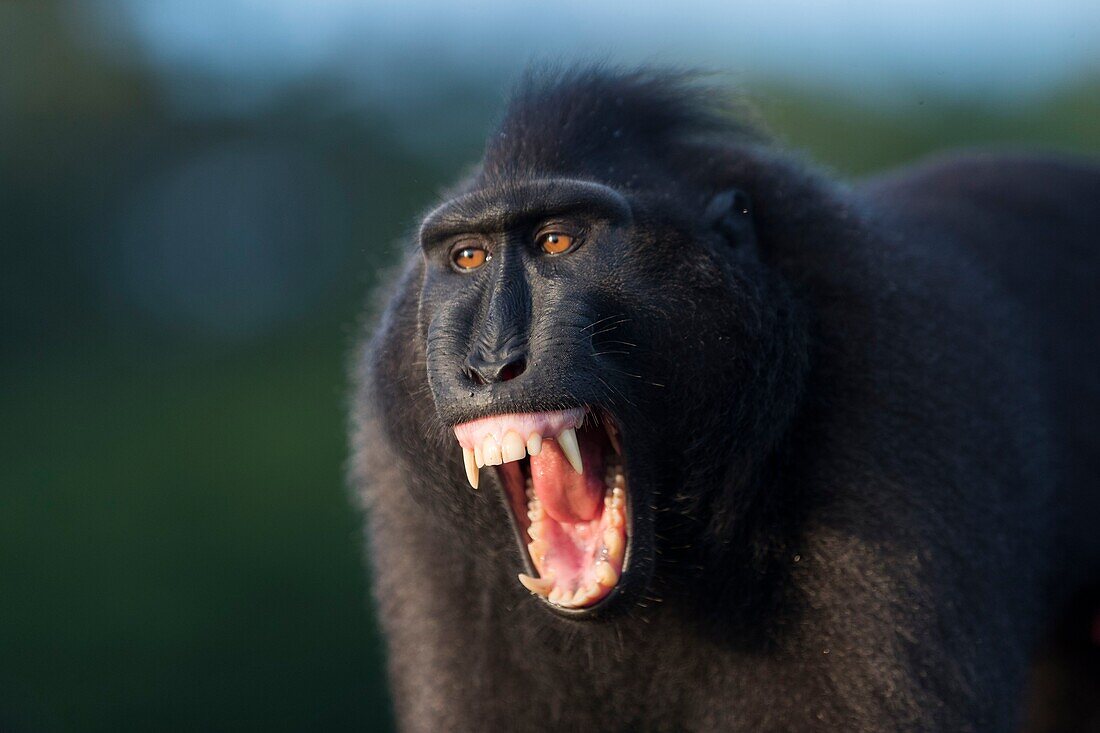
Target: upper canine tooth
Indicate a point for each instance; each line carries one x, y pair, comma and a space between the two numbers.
471, 466
534, 444
512, 447
491, 452
568, 443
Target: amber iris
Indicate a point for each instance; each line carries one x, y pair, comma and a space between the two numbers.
469, 258
555, 242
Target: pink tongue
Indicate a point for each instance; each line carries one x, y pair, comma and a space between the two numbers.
566, 495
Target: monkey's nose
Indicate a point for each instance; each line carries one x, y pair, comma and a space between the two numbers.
482, 369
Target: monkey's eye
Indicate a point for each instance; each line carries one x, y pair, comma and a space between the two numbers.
468, 257
555, 242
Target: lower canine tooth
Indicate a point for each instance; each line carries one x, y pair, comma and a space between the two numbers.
568, 443
471, 466
538, 586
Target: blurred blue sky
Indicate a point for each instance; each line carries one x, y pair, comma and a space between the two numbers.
1006, 48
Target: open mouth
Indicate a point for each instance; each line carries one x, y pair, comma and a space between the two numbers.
562, 474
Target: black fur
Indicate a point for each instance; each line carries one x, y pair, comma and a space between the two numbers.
860, 427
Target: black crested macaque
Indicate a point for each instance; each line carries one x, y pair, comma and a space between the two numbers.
662, 430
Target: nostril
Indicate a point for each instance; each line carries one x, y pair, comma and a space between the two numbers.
473, 376
481, 373
513, 369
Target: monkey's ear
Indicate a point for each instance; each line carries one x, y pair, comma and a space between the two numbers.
730, 214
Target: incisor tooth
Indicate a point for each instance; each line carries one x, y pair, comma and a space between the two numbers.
565, 597
471, 466
534, 444
568, 443
512, 447
538, 586
491, 451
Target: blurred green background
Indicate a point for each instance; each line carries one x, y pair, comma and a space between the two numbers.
194, 210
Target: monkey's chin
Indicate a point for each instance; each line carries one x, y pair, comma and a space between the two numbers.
563, 479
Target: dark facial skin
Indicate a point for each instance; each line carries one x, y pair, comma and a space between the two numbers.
522, 307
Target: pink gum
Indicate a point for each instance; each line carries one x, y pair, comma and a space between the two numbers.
546, 424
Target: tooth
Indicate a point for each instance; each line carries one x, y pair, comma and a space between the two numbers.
538, 586
538, 550
613, 435
471, 466
555, 595
565, 597
606, 574
491, 451
535, 531
512, 448
568, 443
479, 460
534, 444
613, 541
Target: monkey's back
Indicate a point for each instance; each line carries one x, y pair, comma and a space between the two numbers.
1033, 223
